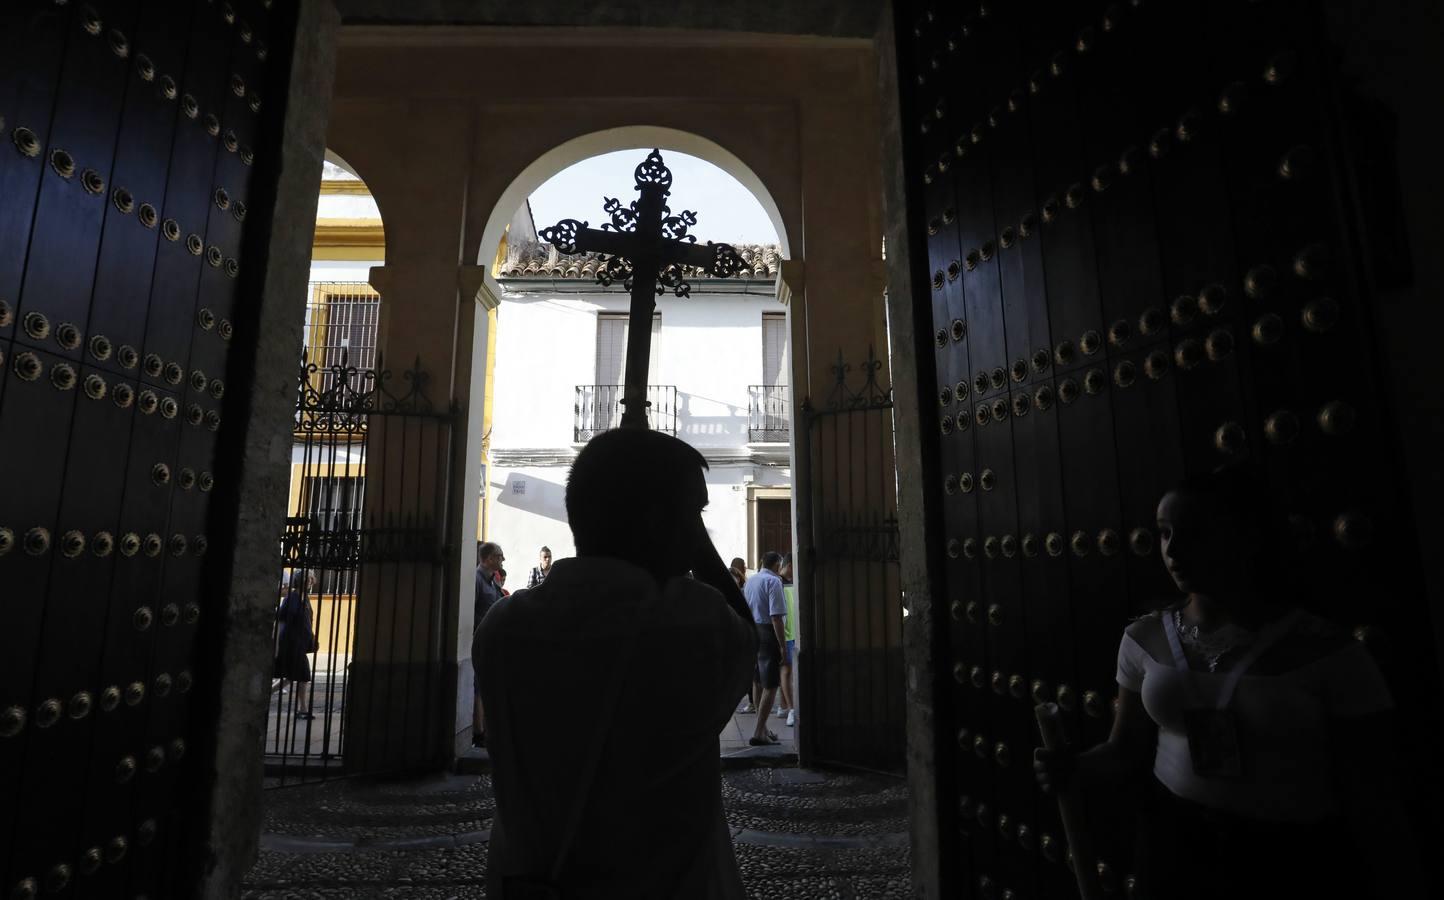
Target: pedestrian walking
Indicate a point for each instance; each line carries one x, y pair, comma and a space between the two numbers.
788, 692
769, 613
295, 640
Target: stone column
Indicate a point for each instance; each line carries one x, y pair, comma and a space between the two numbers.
849, 604
477, 300
227, 823
402, 686
918, 516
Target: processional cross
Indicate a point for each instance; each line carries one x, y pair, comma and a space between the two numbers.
647, 249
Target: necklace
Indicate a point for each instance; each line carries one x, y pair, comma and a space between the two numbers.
1214, 645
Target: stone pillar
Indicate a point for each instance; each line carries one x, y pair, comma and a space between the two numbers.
919, 518
851, 642
402, 688
477, 300
228, 822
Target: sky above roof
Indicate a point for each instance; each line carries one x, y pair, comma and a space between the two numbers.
726, 211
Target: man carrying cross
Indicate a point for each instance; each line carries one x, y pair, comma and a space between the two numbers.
590, 803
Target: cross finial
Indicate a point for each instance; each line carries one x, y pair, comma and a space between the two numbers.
649, 250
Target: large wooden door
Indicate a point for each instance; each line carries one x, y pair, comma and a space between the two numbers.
1142, 261
136, 133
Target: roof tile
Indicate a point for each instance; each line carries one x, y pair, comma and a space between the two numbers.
541, 260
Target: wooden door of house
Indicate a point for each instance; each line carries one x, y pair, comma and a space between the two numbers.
774, 527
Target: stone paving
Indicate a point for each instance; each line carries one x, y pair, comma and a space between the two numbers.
798, 834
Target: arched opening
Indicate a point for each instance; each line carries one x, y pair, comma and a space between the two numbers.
611, 140
316, 621
720, 364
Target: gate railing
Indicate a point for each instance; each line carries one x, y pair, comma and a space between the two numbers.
363, 544
851, 667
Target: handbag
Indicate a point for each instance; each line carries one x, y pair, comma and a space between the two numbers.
530, 887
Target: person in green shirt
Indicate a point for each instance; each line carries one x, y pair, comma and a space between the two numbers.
790, 632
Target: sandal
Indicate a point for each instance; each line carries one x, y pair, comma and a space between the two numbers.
769, 741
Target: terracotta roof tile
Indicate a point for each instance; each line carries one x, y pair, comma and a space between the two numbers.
541, 260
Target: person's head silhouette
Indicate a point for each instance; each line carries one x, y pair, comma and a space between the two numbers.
1217, 534
637, 495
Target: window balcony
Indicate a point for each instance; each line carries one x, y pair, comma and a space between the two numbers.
769, 413
599, 408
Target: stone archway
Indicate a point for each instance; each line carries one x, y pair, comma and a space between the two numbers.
452, 139
628, 137
515, 386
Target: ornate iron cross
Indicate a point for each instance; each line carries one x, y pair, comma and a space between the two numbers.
647, 249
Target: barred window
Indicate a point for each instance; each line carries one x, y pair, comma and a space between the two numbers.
341, 323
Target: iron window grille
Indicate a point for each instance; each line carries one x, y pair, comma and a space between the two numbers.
341, 325
769, 413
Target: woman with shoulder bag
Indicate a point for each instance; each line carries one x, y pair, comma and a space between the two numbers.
296, 639
1265, 728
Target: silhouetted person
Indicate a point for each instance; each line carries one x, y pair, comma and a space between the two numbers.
1264, 727
591, 801
295, 640
738, 569
489, 558
768, 605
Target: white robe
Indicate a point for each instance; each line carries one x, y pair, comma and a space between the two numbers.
653, 826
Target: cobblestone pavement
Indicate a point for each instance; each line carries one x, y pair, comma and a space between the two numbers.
798, 835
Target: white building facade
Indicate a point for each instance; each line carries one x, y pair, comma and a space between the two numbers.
718, 380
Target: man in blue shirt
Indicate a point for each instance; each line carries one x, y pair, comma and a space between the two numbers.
768, 603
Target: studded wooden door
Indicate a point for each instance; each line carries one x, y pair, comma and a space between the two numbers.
135, 133
1142, 261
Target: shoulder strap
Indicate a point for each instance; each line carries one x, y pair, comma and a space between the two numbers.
1266, 639
608, 710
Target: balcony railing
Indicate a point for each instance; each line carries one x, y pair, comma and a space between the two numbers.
599, 408
769, 413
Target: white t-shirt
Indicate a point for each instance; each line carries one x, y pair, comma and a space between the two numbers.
653, 827
1282, 720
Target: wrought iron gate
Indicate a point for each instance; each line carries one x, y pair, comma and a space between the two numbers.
851, 611
1141, 261
358, 634
137, 135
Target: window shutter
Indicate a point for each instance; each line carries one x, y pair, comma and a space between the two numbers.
774, 349
612, 348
